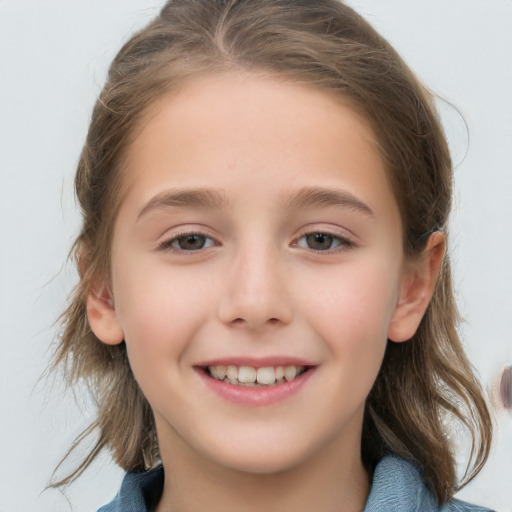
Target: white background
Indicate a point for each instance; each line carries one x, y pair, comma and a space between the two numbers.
53, 60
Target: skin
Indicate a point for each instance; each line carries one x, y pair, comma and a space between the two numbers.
259, 288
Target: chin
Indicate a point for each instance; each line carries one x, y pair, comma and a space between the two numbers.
261, 457
264, 465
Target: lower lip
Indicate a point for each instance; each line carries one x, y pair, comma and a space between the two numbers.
256, 395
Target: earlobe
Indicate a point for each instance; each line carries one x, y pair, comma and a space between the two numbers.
416, 289
102, 316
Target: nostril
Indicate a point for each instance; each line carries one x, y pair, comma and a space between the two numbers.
242, 322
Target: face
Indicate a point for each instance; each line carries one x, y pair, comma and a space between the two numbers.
257, 265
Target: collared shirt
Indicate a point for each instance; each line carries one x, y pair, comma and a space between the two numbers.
397, 487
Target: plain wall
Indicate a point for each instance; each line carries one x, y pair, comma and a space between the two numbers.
53, 58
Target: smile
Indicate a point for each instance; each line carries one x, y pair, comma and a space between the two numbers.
257, 377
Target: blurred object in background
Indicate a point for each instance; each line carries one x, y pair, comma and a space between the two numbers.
505, 387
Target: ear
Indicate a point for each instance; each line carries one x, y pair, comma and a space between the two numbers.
416, 289
102, 316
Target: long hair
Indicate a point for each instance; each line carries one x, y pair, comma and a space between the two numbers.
322, 44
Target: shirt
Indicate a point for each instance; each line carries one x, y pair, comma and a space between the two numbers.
397, 487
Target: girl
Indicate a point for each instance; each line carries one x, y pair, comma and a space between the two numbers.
265, 312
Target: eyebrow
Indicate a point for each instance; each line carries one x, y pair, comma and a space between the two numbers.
188, 198
319, 196
215, 200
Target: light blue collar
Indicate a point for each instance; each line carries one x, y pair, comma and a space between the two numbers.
397, 487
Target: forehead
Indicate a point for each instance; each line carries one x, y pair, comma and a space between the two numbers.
273, 135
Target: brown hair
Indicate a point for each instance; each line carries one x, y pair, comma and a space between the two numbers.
323, 44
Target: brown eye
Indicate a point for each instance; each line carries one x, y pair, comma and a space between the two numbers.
191, 242
188, 243
320, 241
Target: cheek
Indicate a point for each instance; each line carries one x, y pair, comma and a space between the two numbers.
351, 308
160, 309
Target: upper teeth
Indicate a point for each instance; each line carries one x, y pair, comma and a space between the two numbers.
250, 376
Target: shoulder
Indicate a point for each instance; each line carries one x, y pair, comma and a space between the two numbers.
139, 492
398, 486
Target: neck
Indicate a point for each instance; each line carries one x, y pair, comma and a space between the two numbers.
333, 480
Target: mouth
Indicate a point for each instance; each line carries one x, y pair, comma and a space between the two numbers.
249, 376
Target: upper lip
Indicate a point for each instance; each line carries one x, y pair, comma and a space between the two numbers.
260, 362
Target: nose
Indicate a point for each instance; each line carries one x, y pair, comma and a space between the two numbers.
256, 296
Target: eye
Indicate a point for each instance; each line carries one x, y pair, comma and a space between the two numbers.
188, 242
322, 242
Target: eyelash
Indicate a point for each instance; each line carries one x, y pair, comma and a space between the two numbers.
341, 243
